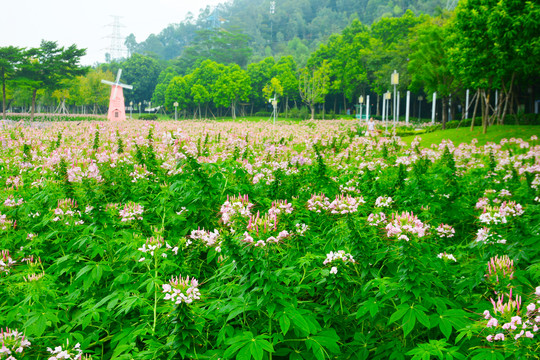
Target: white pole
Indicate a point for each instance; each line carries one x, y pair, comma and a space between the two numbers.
496, 99
394, 105
467, 105
433, 107
397, 107
367, 107
407, 108
449, 107
384, 107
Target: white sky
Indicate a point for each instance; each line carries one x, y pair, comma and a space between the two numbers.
25, 23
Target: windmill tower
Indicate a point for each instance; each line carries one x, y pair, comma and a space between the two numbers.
117, 109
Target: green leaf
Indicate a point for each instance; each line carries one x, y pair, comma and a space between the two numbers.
445, 326
402, 309
409, 320
421, 316
284, 323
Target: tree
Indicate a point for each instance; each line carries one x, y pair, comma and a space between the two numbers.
200, 95
232, 86
220, 45
207, 76
273, 89
10, 58
49, 66
163, 82
285, 71
495, 42
429, 60
178, 91
142, 72
260, 74
313, 86
91, 90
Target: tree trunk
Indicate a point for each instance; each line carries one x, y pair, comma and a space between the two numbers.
475, 108
34, 93
378, 99
233, 110
4, 100
508, 95
312, 107
286, 107
323, 110
444, 111
485, 112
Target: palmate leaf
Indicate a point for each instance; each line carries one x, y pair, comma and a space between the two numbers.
246, 346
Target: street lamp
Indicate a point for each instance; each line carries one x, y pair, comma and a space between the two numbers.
175, 110
130, 109
395, 81
420, 98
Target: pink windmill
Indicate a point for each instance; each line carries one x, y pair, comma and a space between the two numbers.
117, 109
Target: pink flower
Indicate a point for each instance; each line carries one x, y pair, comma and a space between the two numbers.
492, 323
529, 335
499, 336
489, 338
333, 270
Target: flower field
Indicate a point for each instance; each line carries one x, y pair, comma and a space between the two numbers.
205, 240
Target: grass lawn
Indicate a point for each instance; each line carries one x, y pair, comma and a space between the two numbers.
463, 135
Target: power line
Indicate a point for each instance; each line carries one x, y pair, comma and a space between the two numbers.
117, 48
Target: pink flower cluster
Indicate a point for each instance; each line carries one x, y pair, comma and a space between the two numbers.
6, 224
66, 212
180, 290
445, 230
131, 211
446, 256
406, 223
11, 202
13, 343
6, 262
501, 267
340, 255
516, 326
376, 219
270, 240
68, 352
485, 236
280, 207
14, 181
503, 308
235, 206
209, 238
318, 203
499, 215
383, 201
345, 204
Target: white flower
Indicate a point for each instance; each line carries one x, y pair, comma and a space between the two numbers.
333, 270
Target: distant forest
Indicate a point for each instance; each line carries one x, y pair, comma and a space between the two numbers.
273, 28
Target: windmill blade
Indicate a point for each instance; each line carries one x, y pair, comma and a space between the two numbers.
117, 82
118, 76
107, 82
